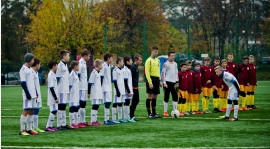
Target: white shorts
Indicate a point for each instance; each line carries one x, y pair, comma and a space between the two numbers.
120, 99
83, 95
53, 107
233, 95
126, 96
29, 104
63, 98
96, 101
74, 104
37, 105
107, 97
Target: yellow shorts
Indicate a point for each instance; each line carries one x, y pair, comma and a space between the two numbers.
207, 91
251, 88
195, 97
182, 94
219, 91
244, 88
223, 94
190, 97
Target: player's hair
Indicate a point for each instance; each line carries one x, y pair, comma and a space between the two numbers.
63, 53
73, 64
245, 57
137, 56
85, 52
169, 53
51, 64
251, 56
216, 58
183, 64
97, 62
207, 59
126, 59
197, 64
118, 59
223, 61
36, 62
154, 48
107, 56
230, 53
218, 67
188, 62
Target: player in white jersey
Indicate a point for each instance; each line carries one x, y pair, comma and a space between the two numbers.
53, 96
38, 104
74, 95
62, 76
234, 92
128, 86
107, 87
119, 91
85, 56
95, 90
29, 95
170, 78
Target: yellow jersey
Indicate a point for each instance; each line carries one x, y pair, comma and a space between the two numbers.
152, 68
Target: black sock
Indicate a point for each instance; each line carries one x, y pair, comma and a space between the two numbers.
154, 103
148, 101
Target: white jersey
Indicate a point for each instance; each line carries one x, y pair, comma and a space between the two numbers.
52, 83
169, 72
37, 85
106, 74
27, 75
83, 73
118, 76
74, 85
128, 76
63, 74
96, 88
229, 79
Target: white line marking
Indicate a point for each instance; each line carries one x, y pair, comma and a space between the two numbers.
192, 118
134, 148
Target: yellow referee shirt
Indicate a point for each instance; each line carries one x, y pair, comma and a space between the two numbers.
152, 68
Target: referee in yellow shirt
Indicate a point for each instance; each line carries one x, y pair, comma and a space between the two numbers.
152, 73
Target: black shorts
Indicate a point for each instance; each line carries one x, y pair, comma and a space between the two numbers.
155, 82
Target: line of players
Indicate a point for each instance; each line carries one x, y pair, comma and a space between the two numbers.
203, 79
74, 89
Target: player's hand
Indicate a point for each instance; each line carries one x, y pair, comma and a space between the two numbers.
247, 84
256, 84
118, 94
242, 93
214, 87
160, 83
165, 85
209, 81
196, 90
151, 86
88, 95
57, 100
129, 94
222, 86
29, 97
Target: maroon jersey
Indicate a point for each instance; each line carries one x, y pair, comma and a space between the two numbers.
252, 74
206, 75
243, 74
183, 81
232, 68
225, 87
189, 78
217, 81
196, 78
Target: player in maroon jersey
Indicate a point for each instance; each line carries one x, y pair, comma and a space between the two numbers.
243, 80
182, 89
224, 92
197, 88
231, 66
190, 86
217, 84
252, 83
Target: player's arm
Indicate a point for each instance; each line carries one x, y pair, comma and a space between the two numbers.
80, 71
51, 86
91, 82
24, 85
176, 73
126, 82
115, 83
58, 73
147, 71
71, 81
163, 73
241, 93
102, 74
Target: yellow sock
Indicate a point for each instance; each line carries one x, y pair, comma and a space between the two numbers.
179, 107
220, 102
215, 102
197, 105
248, 100
252, 99
204, 103
243, 101
193, 105
188, 106
207, 103
151, 106
184, 107
225, 103
240, 101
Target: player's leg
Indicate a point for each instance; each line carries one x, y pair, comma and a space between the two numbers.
184, 100
228, 110
188, 100
252, 100
114, 109
148, 105
107, 100
215, 101
244, 99
23, 120
242, 88
156, 91
94, 112
204, 98
71, 115
174, 97
126, 109
180, 101
53, 111
248, 97
166, 99
236, 106
82, 112
35, 117
76, 116
120, 102
209, 93
134, 103
29, 117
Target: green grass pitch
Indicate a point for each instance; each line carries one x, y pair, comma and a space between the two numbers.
205, 130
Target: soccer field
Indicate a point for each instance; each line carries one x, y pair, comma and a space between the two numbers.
194, 131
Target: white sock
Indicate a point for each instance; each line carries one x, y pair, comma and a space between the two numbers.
106, 114
229, 107
64, 119
165, 106
174, 103
23, 122
29, 122
93, 116
126, 112
59, 118
76, 118
120, 111
50, 120
82, 114
236, 111
79, 115
71, 118
113, 113
35, 121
